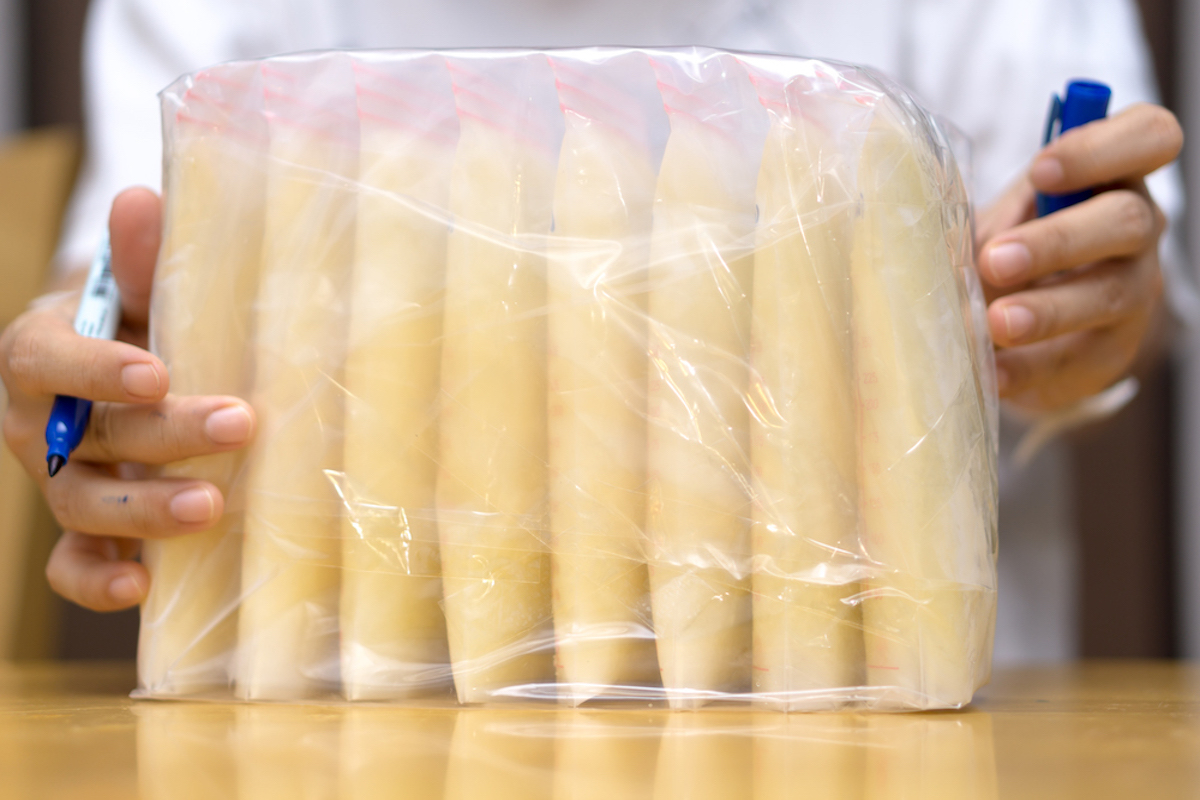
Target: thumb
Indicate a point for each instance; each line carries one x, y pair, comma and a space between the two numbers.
135, 230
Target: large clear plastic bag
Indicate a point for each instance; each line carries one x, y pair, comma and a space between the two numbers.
580, 374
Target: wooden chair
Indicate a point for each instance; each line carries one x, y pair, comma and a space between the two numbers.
37, 170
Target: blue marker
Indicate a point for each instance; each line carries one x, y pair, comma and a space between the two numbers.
97, 318
1086, 101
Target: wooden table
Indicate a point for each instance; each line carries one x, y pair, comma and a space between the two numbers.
1095, 730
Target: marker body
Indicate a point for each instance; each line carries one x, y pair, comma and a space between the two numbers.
97, 318
1085, 101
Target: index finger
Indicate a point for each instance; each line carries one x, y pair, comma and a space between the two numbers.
135, 228
1130, 145
43, 355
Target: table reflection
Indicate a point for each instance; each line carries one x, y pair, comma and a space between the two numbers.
187, 750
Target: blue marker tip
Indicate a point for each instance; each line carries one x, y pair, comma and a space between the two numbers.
64, 431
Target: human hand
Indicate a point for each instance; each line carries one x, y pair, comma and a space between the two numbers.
1072, 295
104, 503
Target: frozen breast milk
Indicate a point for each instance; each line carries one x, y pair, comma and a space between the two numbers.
925, 610
597, 382
393, 632
807, 628
698, 506
582, 376
207, 279
492, 482
288, 627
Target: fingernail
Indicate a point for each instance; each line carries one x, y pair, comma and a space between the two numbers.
192, 505
125, 589
140, 380
229, 425
1009, 261
1018, 321
1047, 172
1001, 379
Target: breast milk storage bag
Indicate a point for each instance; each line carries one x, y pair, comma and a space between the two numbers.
580, 376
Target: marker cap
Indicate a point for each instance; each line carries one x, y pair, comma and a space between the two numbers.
1085, 101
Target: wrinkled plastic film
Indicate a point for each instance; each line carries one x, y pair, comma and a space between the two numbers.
580, 374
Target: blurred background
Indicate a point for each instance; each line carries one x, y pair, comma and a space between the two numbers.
1134, 478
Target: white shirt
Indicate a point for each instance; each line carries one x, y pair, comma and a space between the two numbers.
988, 66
